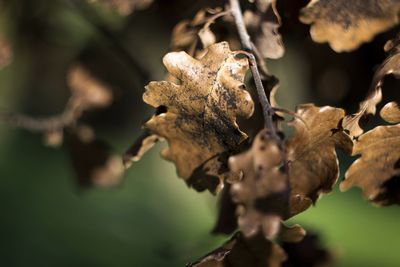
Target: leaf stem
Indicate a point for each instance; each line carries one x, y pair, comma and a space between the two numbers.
245, 40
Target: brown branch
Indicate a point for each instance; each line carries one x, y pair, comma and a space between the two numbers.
245, 40
41, 125
87, 93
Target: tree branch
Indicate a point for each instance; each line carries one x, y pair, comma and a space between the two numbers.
41, 125
268, 111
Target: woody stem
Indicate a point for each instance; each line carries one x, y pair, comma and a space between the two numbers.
245, 40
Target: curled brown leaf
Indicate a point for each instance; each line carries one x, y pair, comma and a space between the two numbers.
313, 163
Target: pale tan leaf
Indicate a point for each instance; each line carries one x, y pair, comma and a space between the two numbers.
345, 25
200, 121
377, 171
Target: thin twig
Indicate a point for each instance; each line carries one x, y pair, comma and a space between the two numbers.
40, 125
70, 116
268, 111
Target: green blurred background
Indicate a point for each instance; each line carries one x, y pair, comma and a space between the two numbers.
152, 219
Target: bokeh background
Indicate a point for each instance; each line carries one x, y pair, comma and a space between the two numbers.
152, 219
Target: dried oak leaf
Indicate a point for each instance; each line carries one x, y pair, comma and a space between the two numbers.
124, 7
347, 24
263, 193
263, 24
244, 252
313, 163
391, 66
377, 171
200, 119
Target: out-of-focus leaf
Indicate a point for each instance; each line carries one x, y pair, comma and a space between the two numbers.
313, 163
377, 171
257, 251
307, 253
262, 194
347, 24
200, 119
54, 138
5, 53
391, 112
292, 234
226, 219
124, 7
242, 252
187, 33
92, 159
263, 24
87, 92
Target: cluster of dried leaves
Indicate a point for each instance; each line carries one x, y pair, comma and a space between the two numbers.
268, 178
